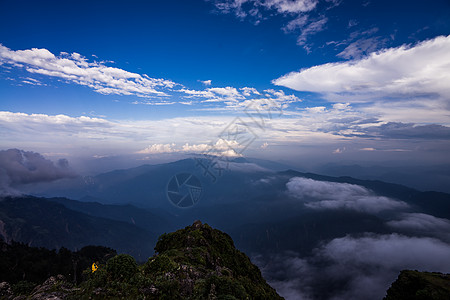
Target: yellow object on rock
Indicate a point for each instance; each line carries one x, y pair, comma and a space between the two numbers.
94, 267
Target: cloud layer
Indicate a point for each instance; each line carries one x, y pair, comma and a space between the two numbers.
316, 131
19, 167
352, 268
334, 195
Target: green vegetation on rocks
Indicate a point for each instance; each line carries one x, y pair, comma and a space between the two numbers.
197, 262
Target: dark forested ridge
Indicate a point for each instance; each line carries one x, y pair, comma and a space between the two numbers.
43, 223
24, 267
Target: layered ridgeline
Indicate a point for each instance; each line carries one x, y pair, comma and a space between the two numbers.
43, 222
197, 262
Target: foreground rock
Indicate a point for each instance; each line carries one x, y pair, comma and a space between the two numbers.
415, 285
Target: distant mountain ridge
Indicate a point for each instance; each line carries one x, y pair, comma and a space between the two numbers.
145, 186
253, 200
43, 223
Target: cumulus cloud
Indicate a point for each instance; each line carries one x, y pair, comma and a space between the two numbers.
358, 268
158, 148
422, 69
333, 195
19, 167
77, 69
248, 91
220, 148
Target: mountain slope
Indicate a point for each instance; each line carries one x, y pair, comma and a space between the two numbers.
156, 221
42, 223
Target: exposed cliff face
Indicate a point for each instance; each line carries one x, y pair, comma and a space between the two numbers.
415, 285
197, 262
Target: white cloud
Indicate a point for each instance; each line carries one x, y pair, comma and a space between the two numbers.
281, 6
245, 99
158, 148
77, 69
316, 109
339, 150
311, 29
248, 91
420, 222
32, 81
334, 195
402, 72
298, 11
219, 148
228, 92
273, 102
297, 23
206, 82
289, 6
214, 94
195, 93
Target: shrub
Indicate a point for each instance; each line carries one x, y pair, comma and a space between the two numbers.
121, 267
23, 287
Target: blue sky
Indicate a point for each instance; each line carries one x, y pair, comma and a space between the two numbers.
361, 80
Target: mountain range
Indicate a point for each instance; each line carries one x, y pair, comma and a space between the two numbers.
272, 214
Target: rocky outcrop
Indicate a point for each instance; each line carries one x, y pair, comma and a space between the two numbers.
415, 285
